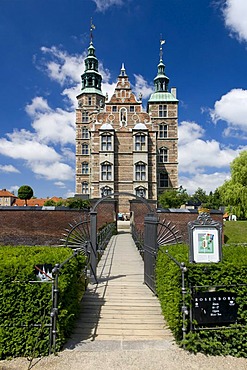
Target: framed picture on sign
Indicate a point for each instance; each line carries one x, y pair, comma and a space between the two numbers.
205, 239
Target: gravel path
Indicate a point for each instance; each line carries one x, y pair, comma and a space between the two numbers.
140, 357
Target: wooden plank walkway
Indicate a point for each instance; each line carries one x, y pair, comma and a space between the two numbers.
120, 307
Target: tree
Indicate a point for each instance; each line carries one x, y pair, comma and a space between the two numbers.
173, 198
234, 191
50, 202
25, 192
78, 203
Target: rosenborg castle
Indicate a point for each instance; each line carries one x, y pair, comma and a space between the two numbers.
120, 147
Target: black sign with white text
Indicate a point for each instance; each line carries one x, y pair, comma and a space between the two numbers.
214, 308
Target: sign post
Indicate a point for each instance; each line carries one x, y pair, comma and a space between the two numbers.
205, 240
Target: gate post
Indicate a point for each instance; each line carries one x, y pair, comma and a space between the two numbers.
150, 250
93, 243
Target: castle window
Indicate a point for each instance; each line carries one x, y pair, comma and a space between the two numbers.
163, 155
84, 168
84, 117
163, 131
132, 108
114, 108
163, 180
106, 190
140, 142
106, 171
84, 187
141, 192
140, 171
85, 134
162, 110
84, 149
89, 100
106, 142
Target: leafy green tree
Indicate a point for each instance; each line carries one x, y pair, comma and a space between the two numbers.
173, 198
234, 191
50, 202
25, 192
77, 203
214, 200
199, 196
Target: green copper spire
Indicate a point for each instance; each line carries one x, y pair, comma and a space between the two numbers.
161, 80
91, 78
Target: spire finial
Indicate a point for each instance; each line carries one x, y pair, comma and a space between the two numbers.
92, 27
162, 42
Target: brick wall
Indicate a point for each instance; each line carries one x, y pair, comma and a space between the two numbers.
179, 217
34, 226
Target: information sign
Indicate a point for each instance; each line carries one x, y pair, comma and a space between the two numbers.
214, 308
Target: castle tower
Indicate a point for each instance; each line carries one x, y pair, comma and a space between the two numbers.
163, 109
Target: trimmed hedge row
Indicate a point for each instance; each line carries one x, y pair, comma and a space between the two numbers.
26, 303
232, 270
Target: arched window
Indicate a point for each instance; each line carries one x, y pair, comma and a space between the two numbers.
106, 190
123, 117
84, 168
84, 149
84, 187
140, 171
163, 155
106, 171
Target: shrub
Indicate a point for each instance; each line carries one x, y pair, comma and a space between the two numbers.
26, 303
231, 271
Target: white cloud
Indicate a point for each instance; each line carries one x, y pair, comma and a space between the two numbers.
14, 189
53, 171
8, 168
199, 158
189, 131
208, 182
62, 67
232, 108
103, 5
142, 86
195, 156
51, 126
60, 184
235, 16
24, 145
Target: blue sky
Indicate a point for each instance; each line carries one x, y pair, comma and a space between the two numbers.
43, 44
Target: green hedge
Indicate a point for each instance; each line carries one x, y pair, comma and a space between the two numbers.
25, 304
232, 270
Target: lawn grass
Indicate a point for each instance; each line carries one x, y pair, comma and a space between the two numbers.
235, 232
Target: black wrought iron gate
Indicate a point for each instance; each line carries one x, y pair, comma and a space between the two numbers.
156, 234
